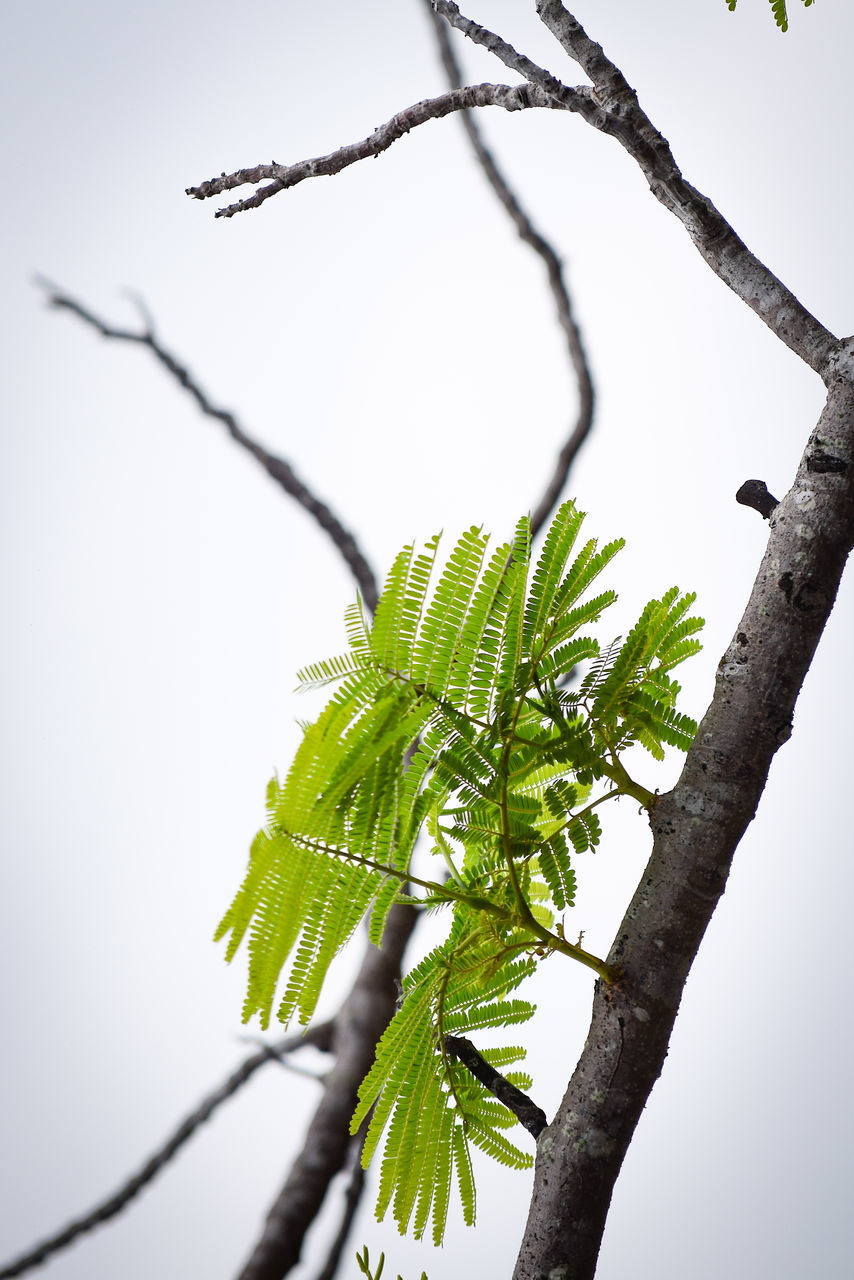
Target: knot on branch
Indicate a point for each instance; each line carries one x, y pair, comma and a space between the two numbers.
754, 493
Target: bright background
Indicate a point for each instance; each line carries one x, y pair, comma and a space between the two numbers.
386, 332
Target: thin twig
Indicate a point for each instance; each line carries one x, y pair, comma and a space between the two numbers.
352, 1198
511, 98
280, 470
524, 1108
370, 1004
319, 1036
554, 269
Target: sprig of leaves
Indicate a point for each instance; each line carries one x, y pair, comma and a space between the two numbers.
778, 8
460, 711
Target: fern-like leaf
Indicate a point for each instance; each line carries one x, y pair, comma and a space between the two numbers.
452, 711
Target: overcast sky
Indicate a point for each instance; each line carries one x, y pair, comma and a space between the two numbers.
386, 333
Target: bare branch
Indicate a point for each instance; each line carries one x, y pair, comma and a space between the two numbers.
361, 1021
526, 1111
620, 114
352, 1199
578, 99
370, 1004
280, 470
320, 1036
511, 98
554, 268
612, 107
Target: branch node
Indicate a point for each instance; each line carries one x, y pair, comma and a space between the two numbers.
754, 493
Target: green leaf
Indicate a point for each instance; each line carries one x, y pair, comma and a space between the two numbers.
778, 8
453, 710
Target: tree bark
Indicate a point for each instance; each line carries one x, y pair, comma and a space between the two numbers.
696, 827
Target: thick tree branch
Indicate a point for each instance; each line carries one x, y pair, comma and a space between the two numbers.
319, 1036
554, 270
358, 1026
696, 827
620, 115
280, 470
511, 98
526, 1111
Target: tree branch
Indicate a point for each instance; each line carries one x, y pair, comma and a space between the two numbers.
620, 115
352, 1199
511, 98
319, 1036
280, 470
696, 829
612, 107
361, 1021
526, 1111
554, 270
755, 494
370, 1004
578, 99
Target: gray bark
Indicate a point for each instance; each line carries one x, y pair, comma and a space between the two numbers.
697, 827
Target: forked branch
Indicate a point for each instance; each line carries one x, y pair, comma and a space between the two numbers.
620, 115
612, 107
284, 176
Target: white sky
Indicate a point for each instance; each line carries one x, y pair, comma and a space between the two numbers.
387, 334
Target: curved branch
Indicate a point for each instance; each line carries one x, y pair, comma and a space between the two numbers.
510, 97
554, 269
367, 1009
319, 1036
280, 470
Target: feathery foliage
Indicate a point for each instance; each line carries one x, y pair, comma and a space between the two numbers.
461, 712
778, 8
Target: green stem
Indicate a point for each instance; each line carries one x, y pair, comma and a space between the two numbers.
506, 843
607, 972
405, 877
449, 861
552, 940
617, 773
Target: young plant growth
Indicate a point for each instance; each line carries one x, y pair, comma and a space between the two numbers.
485, 713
